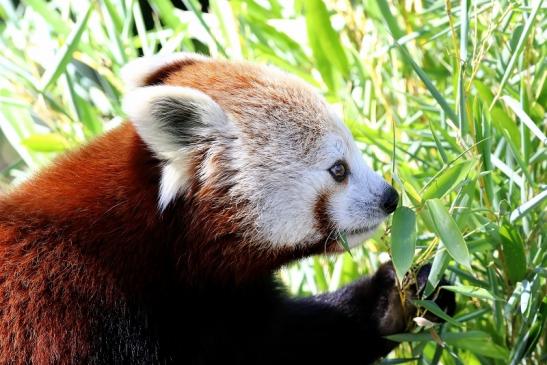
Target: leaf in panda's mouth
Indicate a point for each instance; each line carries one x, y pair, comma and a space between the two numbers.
343, 240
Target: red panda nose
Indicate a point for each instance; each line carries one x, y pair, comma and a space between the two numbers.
389, 200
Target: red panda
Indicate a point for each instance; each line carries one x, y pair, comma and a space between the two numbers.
157, 242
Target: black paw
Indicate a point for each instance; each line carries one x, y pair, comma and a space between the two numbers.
446, 300
391, 310
385, 276
395, 309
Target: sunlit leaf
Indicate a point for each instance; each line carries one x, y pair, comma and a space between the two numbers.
471, 291
65, 53
449, 232
403, 240
325, 43
447, 180
50, 142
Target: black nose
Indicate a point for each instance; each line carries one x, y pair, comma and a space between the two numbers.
389, 201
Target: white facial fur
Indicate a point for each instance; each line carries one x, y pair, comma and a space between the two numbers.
355, 207
279, 140
286, 205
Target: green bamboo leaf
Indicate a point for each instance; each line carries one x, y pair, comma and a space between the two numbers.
527, 207
518, 157
528, 122
473, 335
528, 339
428, 84
438, 143
49, 142
391, 21
87, 115
403, 240
438, 267
447, 179
436, 310
410, 337
464, 317
513, 253
167, 12
194, 6
481, 346
471, 291
518, 49
449, 232
325, 43
493, 287
319, 275
228, 26
64, 55
114, 16
343, 240
500, 119
111, 24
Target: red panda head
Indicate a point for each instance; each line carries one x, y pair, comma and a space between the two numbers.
284, 168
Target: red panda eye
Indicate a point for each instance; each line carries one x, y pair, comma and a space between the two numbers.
339, 171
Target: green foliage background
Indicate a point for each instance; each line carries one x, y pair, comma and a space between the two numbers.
446, 99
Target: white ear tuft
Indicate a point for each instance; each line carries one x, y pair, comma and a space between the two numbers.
172, 118
136, 72
174, 178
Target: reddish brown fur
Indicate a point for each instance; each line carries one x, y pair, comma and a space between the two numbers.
76, 230
225, 82
324, 223
159, 77
89, 228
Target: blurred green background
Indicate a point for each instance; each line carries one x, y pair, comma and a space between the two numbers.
445, 98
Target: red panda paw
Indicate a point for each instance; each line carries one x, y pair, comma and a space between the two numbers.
395, 307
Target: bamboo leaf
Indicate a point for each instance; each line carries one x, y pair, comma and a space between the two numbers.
513, 253
438, 267
449, 232
518, 49
428, 84
471, 291
195, 8
528, 122
391, 21
403, 240
447, 179
49, 142
325, 43
483, 346
500, 119
472, 335
228, 26
436, 310
343, 240
167, 12
64, 55
525, 208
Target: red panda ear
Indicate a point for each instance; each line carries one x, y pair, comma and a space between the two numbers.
141, 72
171, 119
